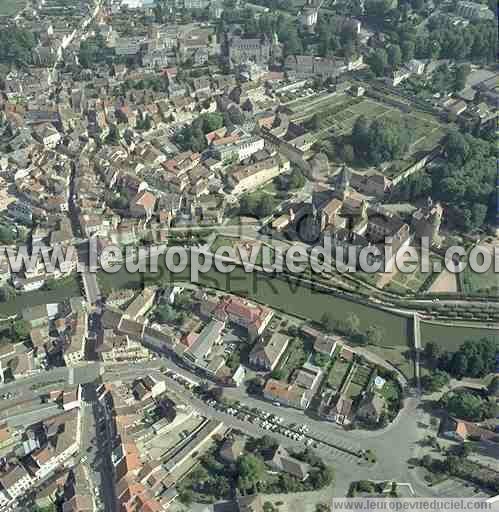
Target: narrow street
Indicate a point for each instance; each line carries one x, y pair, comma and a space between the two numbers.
95, 448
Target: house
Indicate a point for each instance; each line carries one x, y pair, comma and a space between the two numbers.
15, 482
252, 503
46, 134
342, 411
141, 304
459, 430
143, 204
246, 178
282, 462
232, 449
249, 48
254, 318
325, 345
266, 353
286, 394
74, 353
372, 408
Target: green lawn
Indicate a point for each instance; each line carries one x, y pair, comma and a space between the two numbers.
294, 357
485, 284
338, 373
398, 356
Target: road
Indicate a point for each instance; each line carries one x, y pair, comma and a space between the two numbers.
95, 447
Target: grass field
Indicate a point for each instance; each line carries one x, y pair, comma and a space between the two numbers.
11, 7
338, 373
486, 283
397, 356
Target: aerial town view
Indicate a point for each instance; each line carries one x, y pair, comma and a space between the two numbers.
249, 255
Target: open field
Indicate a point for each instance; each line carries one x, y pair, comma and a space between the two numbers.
486, 283
444, 283
11, 7
397, 356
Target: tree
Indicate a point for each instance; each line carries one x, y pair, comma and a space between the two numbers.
407, 47
394, 55
377, 61
462, 73
278, 374
250, 469
314, 123
465, 405
265, 206
5, 293
494, 387
475, 358
321, 359
351, 325
186, 497
348, 153
165, 314
435, 381
360, 136
375, 334
431, 351
269, 507
329, 322
296, 179
21, 329
6, 236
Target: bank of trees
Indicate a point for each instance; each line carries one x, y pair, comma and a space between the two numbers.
466, 180
379, 141
475, 358
259, 206
469, 406
16, 45
193, 137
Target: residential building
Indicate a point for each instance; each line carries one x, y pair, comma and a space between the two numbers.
254, 318
283, 462
15, 482
266, 353
245, 178
286, 394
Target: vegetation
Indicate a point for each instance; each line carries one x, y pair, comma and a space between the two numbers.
462, 468
16, 45
469, 406
259, 206
193, 137
435, 381
475, 358
466, 180
380, 141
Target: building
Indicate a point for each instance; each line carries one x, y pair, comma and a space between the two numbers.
372, 408
266, 353
474, 11
254, 318
229, 148
459, 430
283, 462
308, 66
15, 482
426, 222
74, 353
286, 394
249, 48
246, 178
232, 449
